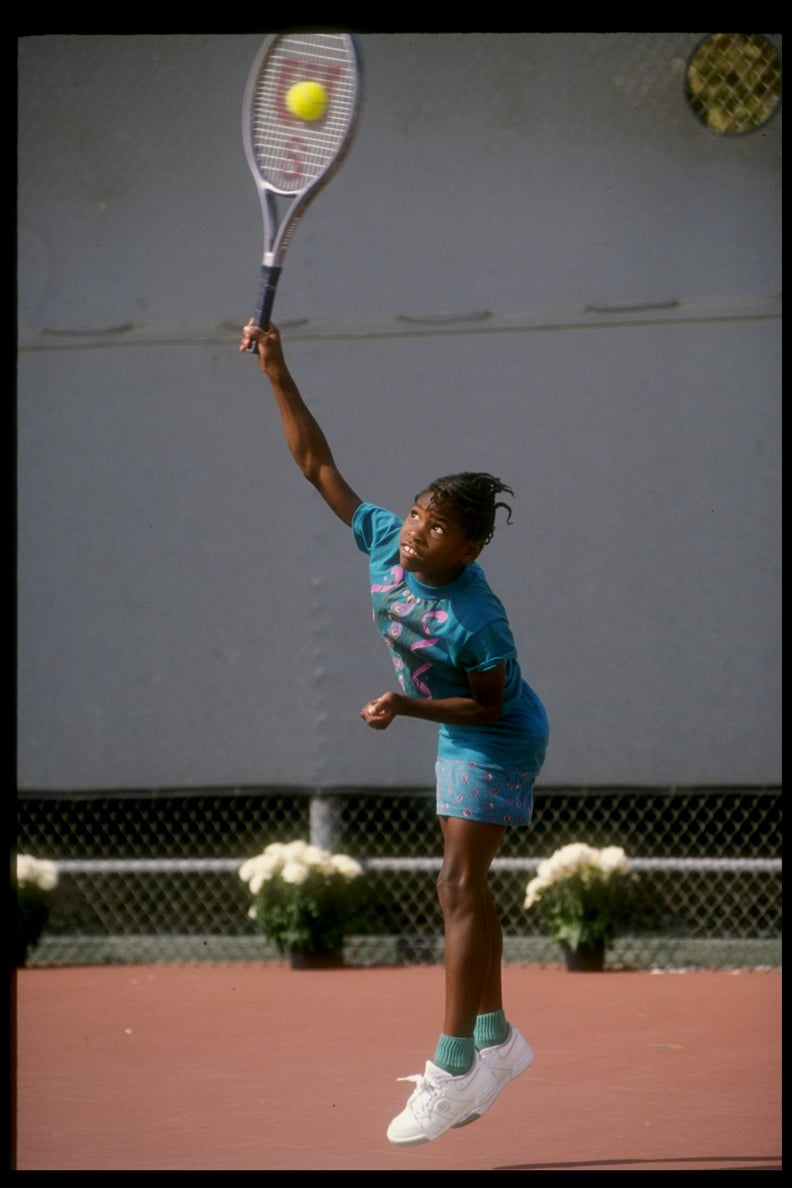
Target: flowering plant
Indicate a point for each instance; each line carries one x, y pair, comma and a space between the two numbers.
36, 878
303, 897
582, 896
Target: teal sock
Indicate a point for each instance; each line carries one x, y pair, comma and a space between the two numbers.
491, 1030
454, 1054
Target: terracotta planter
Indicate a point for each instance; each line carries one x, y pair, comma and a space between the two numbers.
585, 959
316, 958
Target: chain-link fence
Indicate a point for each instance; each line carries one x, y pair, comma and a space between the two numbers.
733, 82
154, 876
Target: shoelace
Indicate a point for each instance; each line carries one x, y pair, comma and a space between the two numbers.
423, 1094
422, 1085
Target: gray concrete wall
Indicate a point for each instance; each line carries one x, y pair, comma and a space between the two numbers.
534, 261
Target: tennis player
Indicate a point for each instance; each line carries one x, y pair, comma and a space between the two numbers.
456, 666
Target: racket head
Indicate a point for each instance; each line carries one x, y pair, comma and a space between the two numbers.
288, 155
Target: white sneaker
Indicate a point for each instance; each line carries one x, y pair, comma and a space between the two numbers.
506, 1061
439, 1102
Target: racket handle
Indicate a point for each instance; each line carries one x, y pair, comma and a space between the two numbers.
266, 299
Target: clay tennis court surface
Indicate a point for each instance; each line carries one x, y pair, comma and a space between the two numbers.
259, 1067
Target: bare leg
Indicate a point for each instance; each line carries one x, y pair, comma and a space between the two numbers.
473, 935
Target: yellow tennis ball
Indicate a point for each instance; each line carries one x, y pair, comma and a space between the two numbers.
307, 100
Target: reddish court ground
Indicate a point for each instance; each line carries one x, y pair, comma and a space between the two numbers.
259, 1067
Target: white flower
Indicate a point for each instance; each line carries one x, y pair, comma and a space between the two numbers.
37, 872
294, 872
313, 856
257, 871
294, 862
577, 859
534, 890
347, 866
613, 858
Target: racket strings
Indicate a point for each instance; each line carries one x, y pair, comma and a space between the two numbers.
291, 153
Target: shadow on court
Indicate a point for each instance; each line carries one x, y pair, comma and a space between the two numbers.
260, 1067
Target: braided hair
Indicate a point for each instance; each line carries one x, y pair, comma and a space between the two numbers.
471, 496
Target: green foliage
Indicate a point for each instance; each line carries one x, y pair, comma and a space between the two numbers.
582, 895
312, 915
303, 897
585, 911
34, 880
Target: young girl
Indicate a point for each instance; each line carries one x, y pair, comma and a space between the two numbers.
457, 666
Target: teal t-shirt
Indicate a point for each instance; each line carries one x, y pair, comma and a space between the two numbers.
436, 635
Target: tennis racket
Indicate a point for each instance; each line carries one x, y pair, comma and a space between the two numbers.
299, 113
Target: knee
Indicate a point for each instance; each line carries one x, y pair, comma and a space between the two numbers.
454, 891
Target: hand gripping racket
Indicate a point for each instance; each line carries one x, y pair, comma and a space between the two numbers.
298, 118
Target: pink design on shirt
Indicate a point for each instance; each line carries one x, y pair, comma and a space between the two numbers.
397, 573
441, 617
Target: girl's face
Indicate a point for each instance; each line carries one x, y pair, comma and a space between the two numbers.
433, 544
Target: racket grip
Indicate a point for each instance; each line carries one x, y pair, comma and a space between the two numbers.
266, 298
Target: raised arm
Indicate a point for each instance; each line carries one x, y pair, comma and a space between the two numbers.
305, 439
